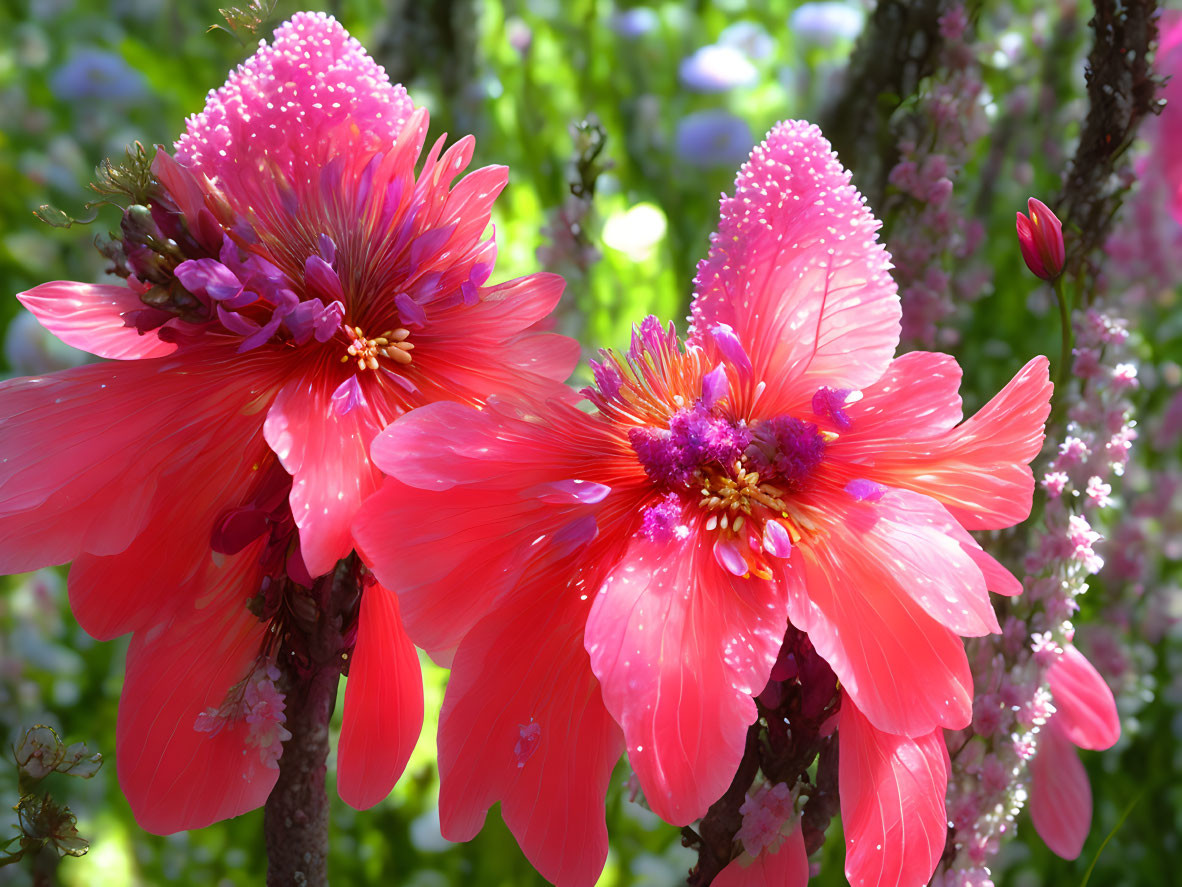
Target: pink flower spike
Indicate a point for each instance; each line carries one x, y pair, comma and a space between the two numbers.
1040, 237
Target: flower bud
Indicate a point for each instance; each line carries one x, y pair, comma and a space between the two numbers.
1041, 238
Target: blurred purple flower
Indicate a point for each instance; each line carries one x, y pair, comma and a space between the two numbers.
823, 24
717, 68
634, 22
749, 38
97, 74
712, 138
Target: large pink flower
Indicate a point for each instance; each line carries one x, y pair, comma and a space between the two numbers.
639, 566
291, 287
1085, 717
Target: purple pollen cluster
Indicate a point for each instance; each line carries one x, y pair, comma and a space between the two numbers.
785, 450
694, 439
662, 522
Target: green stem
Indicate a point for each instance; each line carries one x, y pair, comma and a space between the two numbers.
1063, 372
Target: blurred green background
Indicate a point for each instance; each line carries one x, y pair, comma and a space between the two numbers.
540, 83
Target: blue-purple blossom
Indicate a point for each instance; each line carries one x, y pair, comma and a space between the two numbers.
717, 68
823, 24
712, 138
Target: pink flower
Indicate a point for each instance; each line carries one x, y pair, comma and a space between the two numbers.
1085, 717
292, 286
1168, 63
1040, 237
639, 566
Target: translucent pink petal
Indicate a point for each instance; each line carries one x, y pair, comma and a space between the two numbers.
523, 723
428, 547
114, 594
83, 450
923, 548
97, 318
788, 866
796, 272
292, 106
506, 308
680, 647
892, 802
918, 396
383, 703
1085, 708
906, 672
1060, 796
327, 455
978, 470
507, 446
174, 776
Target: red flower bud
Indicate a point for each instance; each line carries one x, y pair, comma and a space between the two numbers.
1041, 238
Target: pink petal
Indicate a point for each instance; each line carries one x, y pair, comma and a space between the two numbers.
383, 703
919, 543
428, 547
680, 647
114, 594
442, 445
906, 672
523, 723
312, 95
892, 802
327, 455
176, 777
1085, 708
918, 396
787, 866
978, 470
96, 318
88, 445
1060, 796
505, 309
795, 271
499, 467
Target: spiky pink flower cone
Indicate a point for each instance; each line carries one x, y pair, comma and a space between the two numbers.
292, 285
1085, 717
640, 565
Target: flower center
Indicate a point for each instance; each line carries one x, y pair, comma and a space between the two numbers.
735, 495
392, 344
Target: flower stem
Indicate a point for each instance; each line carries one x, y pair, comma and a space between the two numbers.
295, 820
1063, 372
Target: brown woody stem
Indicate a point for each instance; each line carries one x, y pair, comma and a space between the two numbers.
295, 820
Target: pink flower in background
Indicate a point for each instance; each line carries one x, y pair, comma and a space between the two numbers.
1168, 63
1085, 717
291, 287
639, 566
1040, 237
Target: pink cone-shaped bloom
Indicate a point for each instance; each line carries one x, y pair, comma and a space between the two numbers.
1040, 237
639, 565
292, 285
1085, 717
